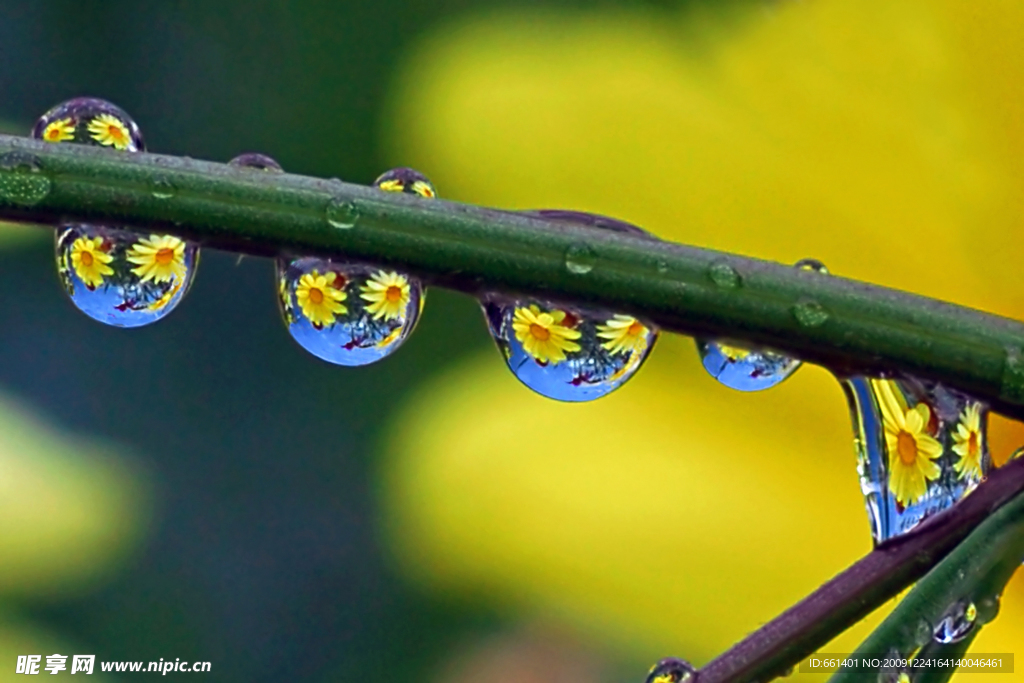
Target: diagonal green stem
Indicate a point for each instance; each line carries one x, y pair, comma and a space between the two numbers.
839, 323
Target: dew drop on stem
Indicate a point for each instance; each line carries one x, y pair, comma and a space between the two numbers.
350, 312
113, 273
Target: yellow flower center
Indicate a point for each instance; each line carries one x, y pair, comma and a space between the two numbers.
53, 134
85, 258
393, 294
635, 329
316, 296
539, 332
906, 447
972, 444
164, 256
116, 134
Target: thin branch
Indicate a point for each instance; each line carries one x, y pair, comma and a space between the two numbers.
839, 323
849, 597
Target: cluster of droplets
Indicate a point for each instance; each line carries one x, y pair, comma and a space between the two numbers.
114, 274
565, 351
739, 366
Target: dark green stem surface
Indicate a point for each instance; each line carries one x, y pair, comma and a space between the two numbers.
838, 323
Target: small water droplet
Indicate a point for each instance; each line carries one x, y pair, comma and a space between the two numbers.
114, 274
1012, 387
987, 609
350, 313
810, 313
256, 162
921, 447
811, 264
342, 213
162, 188
744, 369
671, 670
661, 267
956, 623
922, 633
724, 275
567, 352
580, 259
22, 181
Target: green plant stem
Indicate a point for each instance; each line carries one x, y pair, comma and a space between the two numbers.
866, 585
838, 323
978, 569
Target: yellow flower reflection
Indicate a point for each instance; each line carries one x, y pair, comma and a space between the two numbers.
320, 297
543, 335
90, 261
160, 258
59, 130
110, 131
967, 442
388, 295
911, 450
624, 334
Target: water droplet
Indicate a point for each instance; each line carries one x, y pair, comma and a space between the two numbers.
922, 633
741, 368
724, 275
956, 623
810, 313
162, 188
661, 267
1012, 387
921, 447
568, 352
351, 313
987, 609
671, 670
580, 259
342, 213
113, 274
21, 179
256, 162
811, 264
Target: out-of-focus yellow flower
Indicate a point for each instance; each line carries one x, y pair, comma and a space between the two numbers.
967, 442
882, 138
543, 335
912, 452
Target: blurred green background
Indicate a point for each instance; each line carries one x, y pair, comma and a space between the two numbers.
203, 489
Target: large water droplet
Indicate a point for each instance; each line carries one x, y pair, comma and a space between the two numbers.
21, 179
741, 367
956, 623
920, 447
568, 352
351, 313
988, 609
671, 670
119, 276
580, 259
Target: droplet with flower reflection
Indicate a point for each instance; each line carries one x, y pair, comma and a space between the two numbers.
921, 447
564, 351
348, 312
956, 623
113, 274
743, 368
671, 670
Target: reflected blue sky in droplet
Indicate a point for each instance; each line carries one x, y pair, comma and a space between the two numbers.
742, 369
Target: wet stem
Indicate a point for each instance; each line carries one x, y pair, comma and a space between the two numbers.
848, 326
